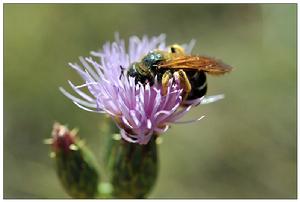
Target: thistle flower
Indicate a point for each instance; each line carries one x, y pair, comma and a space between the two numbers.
75, 164
140, 111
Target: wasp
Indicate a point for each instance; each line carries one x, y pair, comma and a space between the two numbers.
190, 70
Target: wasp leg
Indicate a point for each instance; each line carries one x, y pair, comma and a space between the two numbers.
184, 83
165, 80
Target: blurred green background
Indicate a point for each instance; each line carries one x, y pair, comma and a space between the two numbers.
244, 148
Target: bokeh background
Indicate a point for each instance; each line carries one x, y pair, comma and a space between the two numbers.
244, 148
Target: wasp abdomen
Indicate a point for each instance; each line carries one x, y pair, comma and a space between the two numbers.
198, 83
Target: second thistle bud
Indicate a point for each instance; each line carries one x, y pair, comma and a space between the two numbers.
75, 164
133, 167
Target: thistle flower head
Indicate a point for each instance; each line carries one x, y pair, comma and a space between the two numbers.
76, 166
138, 110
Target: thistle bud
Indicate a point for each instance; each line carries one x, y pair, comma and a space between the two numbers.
133, 167
75, 164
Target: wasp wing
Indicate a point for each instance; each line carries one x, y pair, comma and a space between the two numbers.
200, 63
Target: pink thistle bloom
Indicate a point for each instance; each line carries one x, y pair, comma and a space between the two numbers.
140, 111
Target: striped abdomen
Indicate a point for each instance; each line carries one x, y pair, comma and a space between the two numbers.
198, 83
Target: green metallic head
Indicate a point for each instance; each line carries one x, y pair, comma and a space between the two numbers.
146, 70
